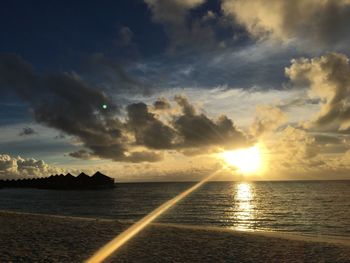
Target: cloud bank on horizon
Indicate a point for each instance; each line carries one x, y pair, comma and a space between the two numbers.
231, 74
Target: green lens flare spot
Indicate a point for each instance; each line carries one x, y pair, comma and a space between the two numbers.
104, 106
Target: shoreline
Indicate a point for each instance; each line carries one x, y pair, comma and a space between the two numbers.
298, 236
274, 234
56, 238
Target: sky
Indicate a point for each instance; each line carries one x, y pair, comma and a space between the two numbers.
157, 90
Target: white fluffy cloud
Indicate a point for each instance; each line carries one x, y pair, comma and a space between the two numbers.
328, 78
293, 151
268, 118
22, 167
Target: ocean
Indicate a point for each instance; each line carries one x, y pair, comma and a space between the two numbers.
304, 207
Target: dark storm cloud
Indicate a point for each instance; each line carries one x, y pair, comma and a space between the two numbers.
191, 24
66, 103
76, 108
161, 104
27, 131
101, 60
113, 75
187, 108
81, 154
173, 15
148, 130
186, 130
199, 130
116, 153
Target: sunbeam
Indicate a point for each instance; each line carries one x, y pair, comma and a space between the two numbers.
125, 236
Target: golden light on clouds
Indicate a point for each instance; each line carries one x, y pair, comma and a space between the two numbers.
245, 160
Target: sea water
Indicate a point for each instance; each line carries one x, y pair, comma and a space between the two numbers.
307, 207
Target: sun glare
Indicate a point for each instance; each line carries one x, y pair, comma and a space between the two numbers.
247, 160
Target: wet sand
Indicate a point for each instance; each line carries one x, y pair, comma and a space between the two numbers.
46, 238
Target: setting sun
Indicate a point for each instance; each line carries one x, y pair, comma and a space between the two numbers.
247, 160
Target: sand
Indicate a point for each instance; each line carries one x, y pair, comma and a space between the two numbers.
45, 238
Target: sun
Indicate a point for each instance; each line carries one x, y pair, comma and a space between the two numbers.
246, 160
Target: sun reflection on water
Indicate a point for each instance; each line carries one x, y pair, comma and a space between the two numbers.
244, 212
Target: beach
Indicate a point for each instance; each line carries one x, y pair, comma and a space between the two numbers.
45, 238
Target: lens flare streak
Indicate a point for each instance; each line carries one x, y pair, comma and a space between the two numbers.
113, 245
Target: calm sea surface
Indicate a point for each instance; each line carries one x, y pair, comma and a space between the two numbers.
316, 208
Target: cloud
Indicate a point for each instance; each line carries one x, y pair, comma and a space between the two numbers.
299, 154
125, 36
268, 119
328, 79
199, 130
185, 129
66, 103
7, 165
173, 12
134, 157
20, 167
183, 30
161, 104
318, 23
340, 164
187, 108
209, 16
293, 150
76, 108
27, 131
81, 154
145, 156
111, 74
328, 139
148, 130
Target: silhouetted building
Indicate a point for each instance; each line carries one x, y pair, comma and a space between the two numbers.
63, 182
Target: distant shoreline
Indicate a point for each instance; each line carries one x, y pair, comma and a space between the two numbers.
83, 181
